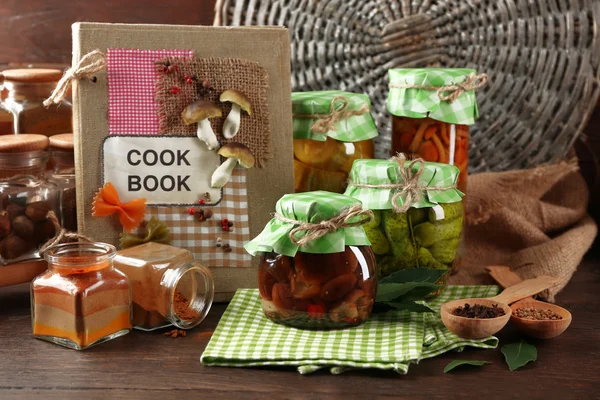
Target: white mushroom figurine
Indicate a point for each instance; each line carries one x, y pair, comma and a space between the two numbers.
238, 101
199, 112
236, 154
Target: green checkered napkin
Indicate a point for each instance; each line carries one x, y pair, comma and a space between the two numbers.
421, 103
311, 207
351, 129
380, 172
390, 341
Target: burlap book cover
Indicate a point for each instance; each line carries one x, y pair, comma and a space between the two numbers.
133, 107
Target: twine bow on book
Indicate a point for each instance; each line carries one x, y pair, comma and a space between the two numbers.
326, 122
448, 92
317, 230
409, 185
92, 62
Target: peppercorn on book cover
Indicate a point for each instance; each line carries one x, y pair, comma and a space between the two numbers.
182, 136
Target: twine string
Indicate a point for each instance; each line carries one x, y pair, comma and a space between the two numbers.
61, 235
410, 187
317, 230
326, 122
448, 92
91, 63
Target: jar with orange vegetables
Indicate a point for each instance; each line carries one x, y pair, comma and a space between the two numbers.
331, 130
317, 270
432, 109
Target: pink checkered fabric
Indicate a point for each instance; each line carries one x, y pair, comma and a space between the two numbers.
131, 82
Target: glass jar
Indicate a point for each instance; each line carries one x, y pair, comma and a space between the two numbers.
427, 235
318, 290
331, 130
26, 197
326, 281
26, 90
81, 300
62, 161
431, 124
433, 140
169, 287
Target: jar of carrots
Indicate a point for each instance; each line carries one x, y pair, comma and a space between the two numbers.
331, 129
432, 109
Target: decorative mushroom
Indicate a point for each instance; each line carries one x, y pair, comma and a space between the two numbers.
199, 112
239, 101
236, 153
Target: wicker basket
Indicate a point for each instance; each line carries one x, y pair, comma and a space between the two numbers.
542, 57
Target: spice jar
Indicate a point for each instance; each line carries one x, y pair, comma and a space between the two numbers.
81, 300
26, 197
432, 109
331, 130
316, 269
418, 212
62, 160
169, 287
26, 90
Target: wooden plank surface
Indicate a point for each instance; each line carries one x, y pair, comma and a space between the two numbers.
149, 365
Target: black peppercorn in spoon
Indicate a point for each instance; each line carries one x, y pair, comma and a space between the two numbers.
476, 328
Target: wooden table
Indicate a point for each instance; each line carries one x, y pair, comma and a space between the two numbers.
148, 365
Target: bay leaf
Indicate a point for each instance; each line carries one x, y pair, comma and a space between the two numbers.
415, 275
457, 363
409, 306
518, 354
391, 291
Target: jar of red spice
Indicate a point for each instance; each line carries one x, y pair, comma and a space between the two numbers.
26, 197
81, 300
27, 88
317, 270
168, 286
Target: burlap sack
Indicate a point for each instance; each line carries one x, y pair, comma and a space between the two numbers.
534, 221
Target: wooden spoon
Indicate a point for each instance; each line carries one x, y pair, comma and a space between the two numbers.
544, 329
475, 328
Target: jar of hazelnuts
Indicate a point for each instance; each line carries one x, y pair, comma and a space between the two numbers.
26, 197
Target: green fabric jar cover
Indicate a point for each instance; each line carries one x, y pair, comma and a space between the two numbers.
312, 208
443, 94
315, 113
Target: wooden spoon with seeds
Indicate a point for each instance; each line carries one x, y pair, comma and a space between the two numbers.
540, 329
475, 328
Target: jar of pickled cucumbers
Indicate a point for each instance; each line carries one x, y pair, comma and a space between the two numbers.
331, 130
317, 270
418, 212
432, 109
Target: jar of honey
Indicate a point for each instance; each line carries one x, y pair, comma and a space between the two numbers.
331, 130
26, 89
432, 109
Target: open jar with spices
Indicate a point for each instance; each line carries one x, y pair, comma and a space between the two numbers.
62, 173
168, 286
26, 197
331, 130
316, 270
27, 89
81, 300
432, 109
418, 212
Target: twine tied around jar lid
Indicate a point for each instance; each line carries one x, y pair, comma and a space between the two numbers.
448, 92
61, 234
317, 230
92, 62
326, 122
410, 186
